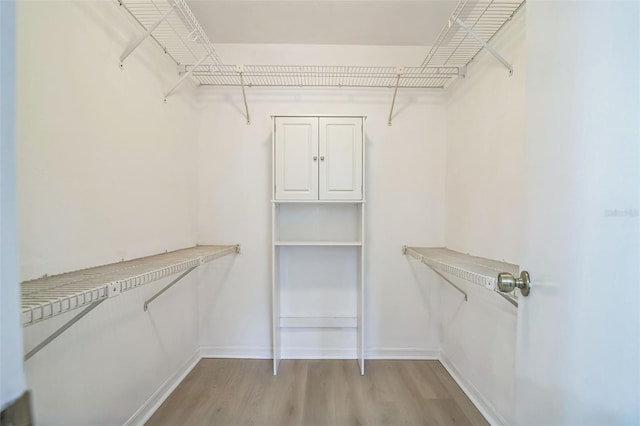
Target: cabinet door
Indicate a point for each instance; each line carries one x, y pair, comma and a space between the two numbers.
296, 158
340, 154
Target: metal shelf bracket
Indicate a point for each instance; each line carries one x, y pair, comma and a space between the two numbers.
244, 96
408, 251
186, 75
168, 286
484, 44
62, 329
399, 72
144, 36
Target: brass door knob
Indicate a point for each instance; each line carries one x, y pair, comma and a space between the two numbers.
507, 282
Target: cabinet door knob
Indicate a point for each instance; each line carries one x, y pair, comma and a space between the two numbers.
322, 158
315, 158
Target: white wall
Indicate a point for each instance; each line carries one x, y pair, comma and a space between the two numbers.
12, 382
105, 172
235, 192
579, 331
485, 137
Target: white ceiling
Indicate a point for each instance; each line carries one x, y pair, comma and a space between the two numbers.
345, 22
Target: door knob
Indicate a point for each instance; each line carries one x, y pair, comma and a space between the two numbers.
322, 158
507, 282
315, 158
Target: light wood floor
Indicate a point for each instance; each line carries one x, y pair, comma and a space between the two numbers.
317, 392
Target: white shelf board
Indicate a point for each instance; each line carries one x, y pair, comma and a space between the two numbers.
319, 322
50, 296
318, 243
477, 270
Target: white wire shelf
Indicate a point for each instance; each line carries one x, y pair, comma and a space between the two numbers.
455, 46
324, 76
477, 270
180, 34
47, 297
174, 27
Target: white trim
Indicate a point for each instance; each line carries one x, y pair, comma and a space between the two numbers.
319, 353
240, 352
258, 352
156, 399
482, 404
402, 353
318, 322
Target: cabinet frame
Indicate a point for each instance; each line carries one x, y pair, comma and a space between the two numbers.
279, 322
319, 160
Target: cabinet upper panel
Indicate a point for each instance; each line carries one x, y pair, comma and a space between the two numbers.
340, 148
296, 158
318, 158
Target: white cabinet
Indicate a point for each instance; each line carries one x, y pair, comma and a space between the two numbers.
318, 158
318, 240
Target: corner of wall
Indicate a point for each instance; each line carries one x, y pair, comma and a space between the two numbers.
151, 405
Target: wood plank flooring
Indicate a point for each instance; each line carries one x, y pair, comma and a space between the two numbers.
317, 393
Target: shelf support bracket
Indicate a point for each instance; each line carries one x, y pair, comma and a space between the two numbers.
508, 299
484, 44
62, 329
186, 75
244, 96
399, 72
167, 287
144, 36
408, 251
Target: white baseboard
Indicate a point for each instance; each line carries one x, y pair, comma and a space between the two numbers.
244, 352
162, 393
482, 404
318, 353
402, 353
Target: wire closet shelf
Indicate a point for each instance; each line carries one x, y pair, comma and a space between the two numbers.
172, 24
174, 27
472, 25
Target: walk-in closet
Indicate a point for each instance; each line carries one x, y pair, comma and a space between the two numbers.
320, 212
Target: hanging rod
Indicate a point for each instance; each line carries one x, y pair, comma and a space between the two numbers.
411, 252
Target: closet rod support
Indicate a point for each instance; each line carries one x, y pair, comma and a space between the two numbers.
484, 44
408, 251
62, 329
144, 36
399, 72
186, 75
508, 299
167, 287
448, 281
244, 96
